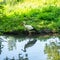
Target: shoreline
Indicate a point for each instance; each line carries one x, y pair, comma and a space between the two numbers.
25, 33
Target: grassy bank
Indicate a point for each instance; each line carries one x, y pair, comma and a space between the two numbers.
43, 17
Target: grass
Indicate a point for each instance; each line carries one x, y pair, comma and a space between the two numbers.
42, 16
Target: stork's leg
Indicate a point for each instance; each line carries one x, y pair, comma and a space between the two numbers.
29, 33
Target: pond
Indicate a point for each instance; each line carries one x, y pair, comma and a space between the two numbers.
29, 48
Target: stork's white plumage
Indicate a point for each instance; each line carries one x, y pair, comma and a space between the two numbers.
28, 27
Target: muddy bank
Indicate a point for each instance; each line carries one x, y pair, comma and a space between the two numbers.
41, 32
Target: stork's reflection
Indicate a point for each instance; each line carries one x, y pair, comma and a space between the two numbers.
30, 43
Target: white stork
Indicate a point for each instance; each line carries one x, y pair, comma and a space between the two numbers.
28, 27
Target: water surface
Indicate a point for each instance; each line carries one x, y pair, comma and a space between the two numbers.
29, 48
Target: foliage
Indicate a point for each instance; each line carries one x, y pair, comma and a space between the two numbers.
42, 16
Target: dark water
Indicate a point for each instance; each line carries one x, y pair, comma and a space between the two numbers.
29, 48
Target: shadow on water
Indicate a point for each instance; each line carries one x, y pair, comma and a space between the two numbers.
27, 48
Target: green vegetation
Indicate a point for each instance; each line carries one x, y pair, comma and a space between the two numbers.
43, 15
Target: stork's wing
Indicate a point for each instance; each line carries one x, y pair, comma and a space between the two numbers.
29, 27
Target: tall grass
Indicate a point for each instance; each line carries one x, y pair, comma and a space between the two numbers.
42, 16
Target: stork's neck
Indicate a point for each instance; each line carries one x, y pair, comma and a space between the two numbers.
24, 24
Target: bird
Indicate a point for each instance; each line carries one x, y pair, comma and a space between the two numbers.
29, 28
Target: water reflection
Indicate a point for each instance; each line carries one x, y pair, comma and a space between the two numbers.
19, 57
53, 50
11, 42
1, 46
30, 43
15, 48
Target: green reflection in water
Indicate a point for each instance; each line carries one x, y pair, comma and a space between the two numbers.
53, 51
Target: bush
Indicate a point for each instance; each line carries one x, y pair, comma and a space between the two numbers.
41, 18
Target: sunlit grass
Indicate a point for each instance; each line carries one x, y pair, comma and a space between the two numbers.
28, 5
38, 13
1, 0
